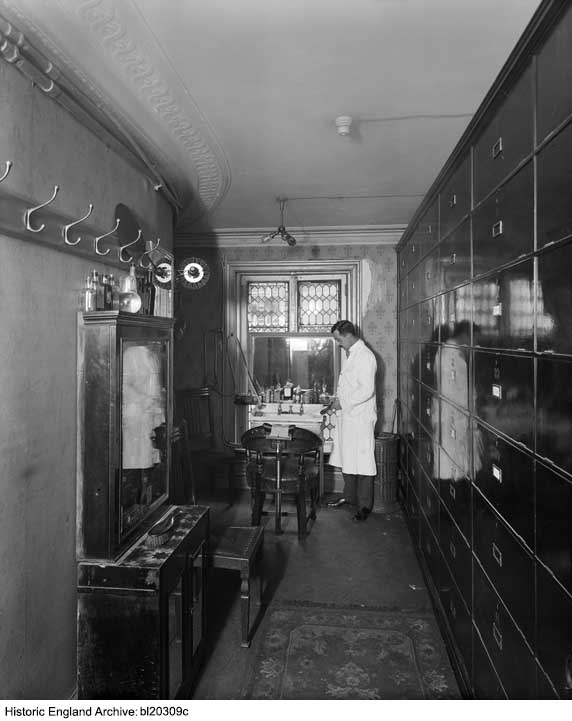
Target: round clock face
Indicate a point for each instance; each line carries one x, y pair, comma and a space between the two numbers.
163, 275
194, 273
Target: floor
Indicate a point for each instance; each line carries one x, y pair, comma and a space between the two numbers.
341, 562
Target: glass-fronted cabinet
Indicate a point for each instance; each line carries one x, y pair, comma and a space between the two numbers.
124, 424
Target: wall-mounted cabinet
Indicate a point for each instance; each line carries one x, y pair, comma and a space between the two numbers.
485, 361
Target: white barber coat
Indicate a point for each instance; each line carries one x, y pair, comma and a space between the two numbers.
354, 442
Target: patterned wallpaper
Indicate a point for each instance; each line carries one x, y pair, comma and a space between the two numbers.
199, 328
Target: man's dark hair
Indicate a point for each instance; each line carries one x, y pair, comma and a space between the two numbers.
464, 327
344, 327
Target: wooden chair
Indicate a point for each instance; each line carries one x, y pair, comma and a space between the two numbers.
283, 467
194, 406
182, 473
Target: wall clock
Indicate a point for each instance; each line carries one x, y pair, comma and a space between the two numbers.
194, 273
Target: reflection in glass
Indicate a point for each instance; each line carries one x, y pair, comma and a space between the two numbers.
143, 430
306, 361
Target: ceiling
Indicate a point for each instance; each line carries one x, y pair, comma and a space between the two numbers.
233, 102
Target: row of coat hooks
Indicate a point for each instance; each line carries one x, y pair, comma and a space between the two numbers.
32, 228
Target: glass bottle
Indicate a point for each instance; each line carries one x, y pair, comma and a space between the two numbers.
88, 304
129, 298
106, 292
288, 390
114, 292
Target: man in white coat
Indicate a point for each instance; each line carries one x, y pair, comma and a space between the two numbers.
355, 405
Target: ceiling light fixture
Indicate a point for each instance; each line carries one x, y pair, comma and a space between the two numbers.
343, 124
281, 231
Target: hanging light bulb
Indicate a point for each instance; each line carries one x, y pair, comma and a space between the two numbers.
281, 231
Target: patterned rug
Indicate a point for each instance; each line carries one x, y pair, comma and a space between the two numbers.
325, 653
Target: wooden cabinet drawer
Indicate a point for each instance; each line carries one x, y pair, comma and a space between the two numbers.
507, 138
503, 226
553, 523
402, 262
455, 306
555, 632
412, 508
429, 501
427, 321
412, 316
428, 410
511, 656
427, 369
503, 308
554, 300
428, 229
508, 565
414, 469
403, 292
413, 291
455, 256
486, 683
455, 198
504, 385
554, 411
425, 452
455, 494
457, 554
505, 476
554, 74
458, 617
554, 188
430, 277
430, 549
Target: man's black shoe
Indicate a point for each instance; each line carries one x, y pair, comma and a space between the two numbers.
338, 503
362, 515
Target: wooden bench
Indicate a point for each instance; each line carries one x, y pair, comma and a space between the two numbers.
239, 548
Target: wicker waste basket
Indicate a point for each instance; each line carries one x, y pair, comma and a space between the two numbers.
385, 484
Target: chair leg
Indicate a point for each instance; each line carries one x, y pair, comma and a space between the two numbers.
257, 505
313, 501
301, 513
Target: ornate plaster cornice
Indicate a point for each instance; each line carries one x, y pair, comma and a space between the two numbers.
115, 30
239, 237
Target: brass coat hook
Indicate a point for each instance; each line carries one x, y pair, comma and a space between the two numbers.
101, 237
130, 258
68, 227
38, 207
8, 166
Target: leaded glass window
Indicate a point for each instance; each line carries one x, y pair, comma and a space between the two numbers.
318, 305
268, 307
293, 306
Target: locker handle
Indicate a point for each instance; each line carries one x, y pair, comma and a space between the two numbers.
497, 148
452, 609
497, 635
453, 200
452, 491
497, 229
497, 473
497, 391
452, 549
497, 554
453, 258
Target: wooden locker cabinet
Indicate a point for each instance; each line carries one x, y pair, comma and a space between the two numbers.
490, 515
